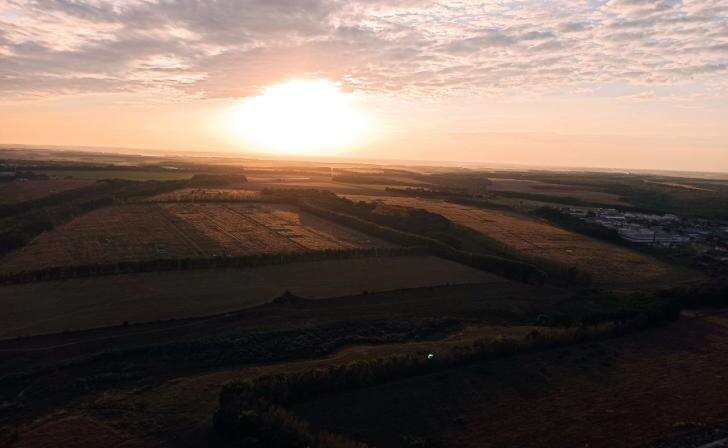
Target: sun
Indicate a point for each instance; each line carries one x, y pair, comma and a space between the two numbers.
309, 117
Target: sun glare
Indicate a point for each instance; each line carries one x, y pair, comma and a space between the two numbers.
299, 117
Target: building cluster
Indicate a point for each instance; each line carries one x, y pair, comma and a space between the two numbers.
707, 237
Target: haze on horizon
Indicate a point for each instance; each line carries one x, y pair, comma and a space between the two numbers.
614, 83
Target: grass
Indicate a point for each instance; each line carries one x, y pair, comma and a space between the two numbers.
57, 306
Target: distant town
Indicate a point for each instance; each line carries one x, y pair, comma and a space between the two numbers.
706, 237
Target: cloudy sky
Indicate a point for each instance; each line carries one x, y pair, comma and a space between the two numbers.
617, 83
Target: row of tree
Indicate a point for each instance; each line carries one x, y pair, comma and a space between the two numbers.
409, 227
274, 427
23, 221
183, 264
414, 227
247, 403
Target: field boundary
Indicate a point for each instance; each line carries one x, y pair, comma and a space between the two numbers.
184, 264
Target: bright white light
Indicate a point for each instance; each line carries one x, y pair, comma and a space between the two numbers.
299, 117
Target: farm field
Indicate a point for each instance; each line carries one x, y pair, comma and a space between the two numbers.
49, 307
139, 359
556, 190
22, 191
184, 230
251, 190
204, 195
127, 174
320, 184
605, 263
627, 392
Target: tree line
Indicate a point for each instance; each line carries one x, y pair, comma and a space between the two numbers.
183, 264
246, 404
274, 427
23, 221
417, 227
253, 399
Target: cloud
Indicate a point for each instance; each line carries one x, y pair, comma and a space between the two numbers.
230, 48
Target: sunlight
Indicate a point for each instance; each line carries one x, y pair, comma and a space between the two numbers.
310, 117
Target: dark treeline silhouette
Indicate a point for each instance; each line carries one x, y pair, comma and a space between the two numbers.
182, 264
243, 403
295, 387
239, 346
569, 222
249, 399
414, 227
94, 191
274, 427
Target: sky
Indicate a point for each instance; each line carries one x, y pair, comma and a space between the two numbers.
597, 83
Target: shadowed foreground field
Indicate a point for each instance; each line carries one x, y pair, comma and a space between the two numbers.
618, 392
57, 306
627, 392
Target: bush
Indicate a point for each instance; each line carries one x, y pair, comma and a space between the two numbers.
267, 426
